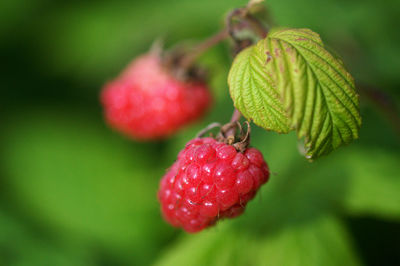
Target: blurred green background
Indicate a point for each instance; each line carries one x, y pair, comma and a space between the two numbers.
73, 192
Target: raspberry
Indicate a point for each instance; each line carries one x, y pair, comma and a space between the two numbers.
147, 102
209, 181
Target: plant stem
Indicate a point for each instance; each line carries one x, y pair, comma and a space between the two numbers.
189, 59
230, 133
235, 116
261, 31
228, 31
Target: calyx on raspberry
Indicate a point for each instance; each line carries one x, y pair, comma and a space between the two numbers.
148, 100
210, 180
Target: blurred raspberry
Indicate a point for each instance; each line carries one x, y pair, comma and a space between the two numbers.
209, 181
147, 102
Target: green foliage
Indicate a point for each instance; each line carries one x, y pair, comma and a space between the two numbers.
289, 81
84, 182
374, 182
19, 247
322, 241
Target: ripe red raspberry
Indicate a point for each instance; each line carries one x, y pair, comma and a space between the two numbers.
147, 102
209, 181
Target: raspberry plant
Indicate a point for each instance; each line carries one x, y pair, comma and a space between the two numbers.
281, 79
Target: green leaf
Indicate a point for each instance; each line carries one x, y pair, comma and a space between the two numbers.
326, 240
289, 81
321, 241
253, 93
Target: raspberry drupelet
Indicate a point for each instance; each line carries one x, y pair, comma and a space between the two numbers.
209, 181
147, 102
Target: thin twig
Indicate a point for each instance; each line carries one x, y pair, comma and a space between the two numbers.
208, 128
189, 59
228, 31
